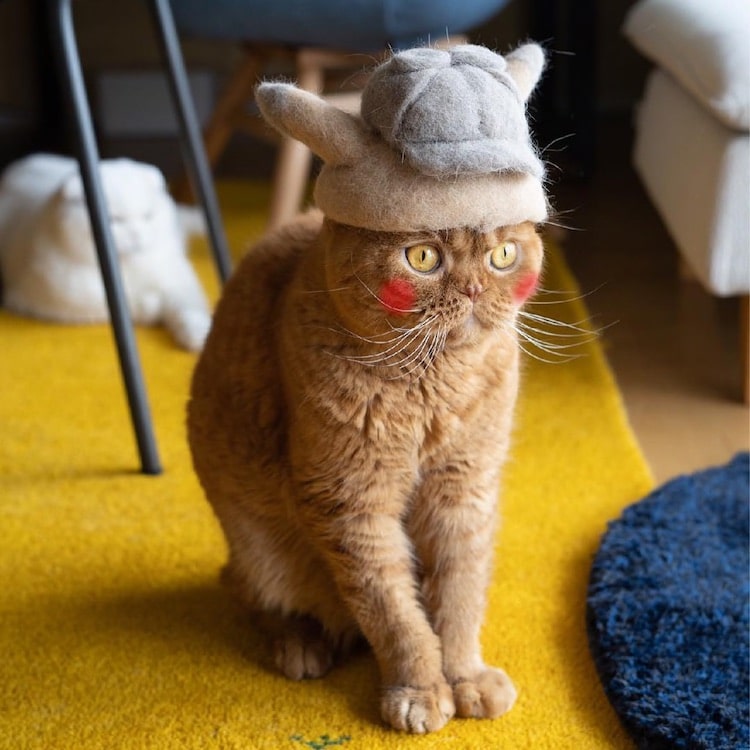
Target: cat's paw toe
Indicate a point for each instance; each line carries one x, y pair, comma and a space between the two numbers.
190, 329
300, 658
486, 696
417, 710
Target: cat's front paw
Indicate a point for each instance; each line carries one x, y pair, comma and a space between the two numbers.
190, 328
487, 695
417, 710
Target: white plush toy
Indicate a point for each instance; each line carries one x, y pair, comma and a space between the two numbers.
48, 262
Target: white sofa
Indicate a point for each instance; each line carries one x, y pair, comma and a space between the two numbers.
692, 144
692, 147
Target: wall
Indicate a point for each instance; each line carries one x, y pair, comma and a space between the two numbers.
117, 35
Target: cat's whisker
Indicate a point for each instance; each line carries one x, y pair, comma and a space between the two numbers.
585, 331
397, 345
533, 355
556, 338
382, 338
566, 227
383, 357
350, 358
346, 332
425, 353
556, 219
377, 358
436, 341
325, 291
565, 212
549, 346
561, 293
593, 335
400, 351
438, 345
581, 326
423, 322
360, 280
551, 349
417, 359
392, 342
414, 354
554, 301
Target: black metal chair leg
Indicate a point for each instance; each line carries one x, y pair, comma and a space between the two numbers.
63, 36
192, 141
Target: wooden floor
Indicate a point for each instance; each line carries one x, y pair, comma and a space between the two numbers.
675, 350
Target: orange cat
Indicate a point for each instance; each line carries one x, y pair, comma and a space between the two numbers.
349, 418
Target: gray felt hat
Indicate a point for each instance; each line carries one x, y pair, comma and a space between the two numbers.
442, 141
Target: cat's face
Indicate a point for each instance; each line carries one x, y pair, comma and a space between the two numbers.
142, 216
457, 284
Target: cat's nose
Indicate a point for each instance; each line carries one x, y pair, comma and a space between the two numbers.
472, 291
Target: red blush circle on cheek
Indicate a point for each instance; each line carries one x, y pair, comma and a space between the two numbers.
397, 296
525, 288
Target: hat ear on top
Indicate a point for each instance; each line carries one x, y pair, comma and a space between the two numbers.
525, 67
332, 134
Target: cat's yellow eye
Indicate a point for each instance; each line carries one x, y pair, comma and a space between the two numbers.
504, 255
423, 258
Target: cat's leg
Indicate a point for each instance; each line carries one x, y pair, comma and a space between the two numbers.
188, 326
306, 623
364, 544
453, 524
185, 309
376, 578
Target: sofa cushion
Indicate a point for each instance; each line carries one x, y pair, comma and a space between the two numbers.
697, 173
704, 45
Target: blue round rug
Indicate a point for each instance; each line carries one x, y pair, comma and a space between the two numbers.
668, 612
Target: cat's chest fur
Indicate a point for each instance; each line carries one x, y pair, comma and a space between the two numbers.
348, 381
281, 386
463, 397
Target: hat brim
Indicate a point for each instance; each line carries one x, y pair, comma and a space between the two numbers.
384, 193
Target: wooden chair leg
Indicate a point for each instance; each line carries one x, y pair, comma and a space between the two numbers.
294, 159
231, 104
745, 346
292, 168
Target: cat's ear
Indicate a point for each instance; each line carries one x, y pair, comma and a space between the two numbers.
334, 135
153, 177
525, 66
72, 188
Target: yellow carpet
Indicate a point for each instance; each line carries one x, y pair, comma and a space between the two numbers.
114, 632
